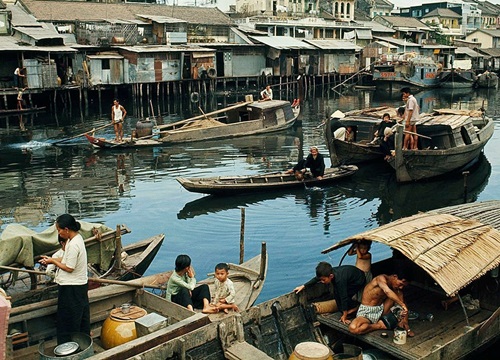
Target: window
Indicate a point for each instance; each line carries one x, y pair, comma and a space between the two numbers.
105, 64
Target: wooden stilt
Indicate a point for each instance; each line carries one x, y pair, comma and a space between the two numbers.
100, 100
86, 100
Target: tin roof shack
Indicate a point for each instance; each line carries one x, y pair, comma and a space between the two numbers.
106, 68
410, 29
166, 30
104, 33
338, 56
147, 64
286, 55
233, 60
492, 58
376, 50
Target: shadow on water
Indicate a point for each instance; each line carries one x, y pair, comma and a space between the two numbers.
377, 182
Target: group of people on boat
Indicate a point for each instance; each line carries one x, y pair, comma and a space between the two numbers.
68, 268
366, 303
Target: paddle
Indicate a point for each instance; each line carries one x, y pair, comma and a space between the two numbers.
96, 280
82, 134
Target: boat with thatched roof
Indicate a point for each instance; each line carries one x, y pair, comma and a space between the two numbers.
452, 254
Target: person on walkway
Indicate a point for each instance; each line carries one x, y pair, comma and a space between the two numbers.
182, 289
19, 77
267, 93
411, 117
118, 114
20, 101
379, 296
347, 280
73, 311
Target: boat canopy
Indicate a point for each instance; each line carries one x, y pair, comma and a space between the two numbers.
454, 245
20, 245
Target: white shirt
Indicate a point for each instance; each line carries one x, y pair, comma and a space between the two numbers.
75, 257
118, 113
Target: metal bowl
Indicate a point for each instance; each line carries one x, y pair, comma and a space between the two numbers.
66, 348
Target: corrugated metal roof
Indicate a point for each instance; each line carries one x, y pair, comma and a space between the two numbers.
467, 51
454, 245
9, 43
403, 23
364, 34
399, 42
490, 52
163, 48
282, 42
20, 16
105, 56
39, 32
162, 19
334, 45
375, 26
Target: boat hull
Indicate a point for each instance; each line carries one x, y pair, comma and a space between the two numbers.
270, 116
414, 165
231, 185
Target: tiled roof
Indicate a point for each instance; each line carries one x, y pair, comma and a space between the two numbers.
405, 22
441, 12
490, 52
47, 10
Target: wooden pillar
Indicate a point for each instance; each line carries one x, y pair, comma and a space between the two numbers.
5, 102
86, 100
55, 100
100, 99
80, 98
141, 110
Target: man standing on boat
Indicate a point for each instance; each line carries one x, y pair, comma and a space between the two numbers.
379, 296
411, 116
118, 114
347, 280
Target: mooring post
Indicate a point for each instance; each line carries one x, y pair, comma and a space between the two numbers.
242, 236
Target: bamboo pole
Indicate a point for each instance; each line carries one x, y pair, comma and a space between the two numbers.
242, 236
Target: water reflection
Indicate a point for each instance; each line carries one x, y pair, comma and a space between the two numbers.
399, 200
373, 182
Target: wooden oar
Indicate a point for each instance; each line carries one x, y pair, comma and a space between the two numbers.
82, 134
97, 280
126, 283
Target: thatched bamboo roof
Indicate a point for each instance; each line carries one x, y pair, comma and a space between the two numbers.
454, 245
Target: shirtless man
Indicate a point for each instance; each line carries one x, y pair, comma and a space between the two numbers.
379, 296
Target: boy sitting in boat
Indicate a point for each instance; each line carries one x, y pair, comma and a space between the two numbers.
181, 287
224, 298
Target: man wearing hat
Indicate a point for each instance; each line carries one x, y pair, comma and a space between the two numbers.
337, 128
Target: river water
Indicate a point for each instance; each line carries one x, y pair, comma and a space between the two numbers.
139, 188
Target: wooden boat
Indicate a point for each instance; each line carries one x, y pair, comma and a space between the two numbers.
229, 185
457, 138
449, 251
106, 256
487, 80
364, 124
31, 327
36, 322
242, 119
273, 328
405, 70
457, 79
